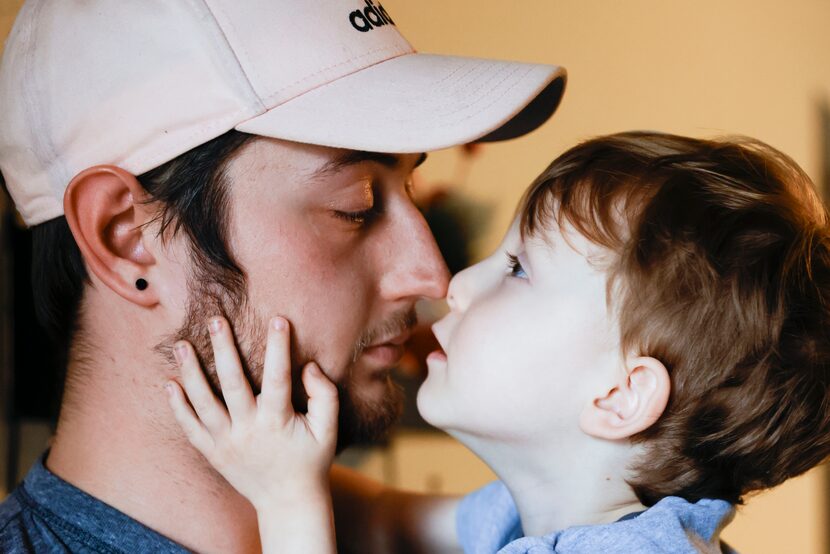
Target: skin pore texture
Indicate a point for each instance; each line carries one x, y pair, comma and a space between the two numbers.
328, 239
533, 380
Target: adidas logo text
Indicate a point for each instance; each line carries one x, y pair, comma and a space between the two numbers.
369, 17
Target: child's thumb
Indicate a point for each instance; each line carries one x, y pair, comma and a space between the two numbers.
323, 402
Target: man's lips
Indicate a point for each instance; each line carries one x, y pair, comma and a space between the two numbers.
384, 355
387, 352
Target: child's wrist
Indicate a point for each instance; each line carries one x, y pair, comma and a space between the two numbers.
294, 496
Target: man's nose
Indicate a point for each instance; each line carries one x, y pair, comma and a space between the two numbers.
417, 267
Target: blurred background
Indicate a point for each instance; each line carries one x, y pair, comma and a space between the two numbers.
707, 68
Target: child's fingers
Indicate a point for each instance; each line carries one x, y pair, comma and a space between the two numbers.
323, 402
197, 390
193, 429
235, 387
275, 397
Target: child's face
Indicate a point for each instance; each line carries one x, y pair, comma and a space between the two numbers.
526, 345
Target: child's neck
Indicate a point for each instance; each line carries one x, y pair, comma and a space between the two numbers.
557, 486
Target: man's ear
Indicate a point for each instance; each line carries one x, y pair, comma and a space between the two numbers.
631, 405
103, 206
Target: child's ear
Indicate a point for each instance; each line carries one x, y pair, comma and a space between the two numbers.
631, 405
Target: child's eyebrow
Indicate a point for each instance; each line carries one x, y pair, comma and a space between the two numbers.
541, 236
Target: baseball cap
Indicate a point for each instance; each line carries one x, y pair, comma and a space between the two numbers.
135, 83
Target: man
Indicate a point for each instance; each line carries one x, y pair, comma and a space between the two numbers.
251, 158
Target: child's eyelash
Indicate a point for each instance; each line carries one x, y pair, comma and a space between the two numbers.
513, 262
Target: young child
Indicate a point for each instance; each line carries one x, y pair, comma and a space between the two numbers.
648, 346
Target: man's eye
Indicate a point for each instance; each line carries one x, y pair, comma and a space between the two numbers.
362, 217
515, 266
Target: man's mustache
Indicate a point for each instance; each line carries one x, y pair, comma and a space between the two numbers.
397, 324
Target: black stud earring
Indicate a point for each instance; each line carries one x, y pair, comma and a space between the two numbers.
141, 284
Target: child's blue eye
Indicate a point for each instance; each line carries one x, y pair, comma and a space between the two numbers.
516, 269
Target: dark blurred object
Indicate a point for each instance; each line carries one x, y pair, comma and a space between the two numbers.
411, 372
6, 294
31, 376
448, 227
823, 186
37, 376
824, 122
454, 218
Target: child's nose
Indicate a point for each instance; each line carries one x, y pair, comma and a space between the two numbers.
459, 291
452, 294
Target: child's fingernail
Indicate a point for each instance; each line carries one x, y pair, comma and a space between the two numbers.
279, 324
180, 352
214, 325
314, 369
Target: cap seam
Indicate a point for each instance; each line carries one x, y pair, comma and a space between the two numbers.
232, 50
466, 65
475, 103
502, 95
268, 99
476, 89
153, 155
34, 116
213, 11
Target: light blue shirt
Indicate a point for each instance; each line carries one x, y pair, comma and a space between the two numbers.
488, 523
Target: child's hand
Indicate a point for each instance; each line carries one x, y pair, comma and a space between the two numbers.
272, 455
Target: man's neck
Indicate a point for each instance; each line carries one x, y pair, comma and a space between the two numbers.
556, 486
117, 440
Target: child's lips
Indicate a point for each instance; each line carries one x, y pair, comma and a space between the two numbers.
437, 356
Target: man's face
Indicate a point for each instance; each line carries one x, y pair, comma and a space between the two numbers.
331, 240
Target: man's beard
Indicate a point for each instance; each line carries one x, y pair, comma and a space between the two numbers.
360, 421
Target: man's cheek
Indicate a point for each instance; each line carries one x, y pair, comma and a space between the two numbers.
312, 345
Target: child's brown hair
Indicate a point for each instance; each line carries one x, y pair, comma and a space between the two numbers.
722, 272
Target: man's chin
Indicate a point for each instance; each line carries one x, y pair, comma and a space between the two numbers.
367, 416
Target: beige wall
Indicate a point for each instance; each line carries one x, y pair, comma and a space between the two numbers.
8, 9
702, 68
708, 67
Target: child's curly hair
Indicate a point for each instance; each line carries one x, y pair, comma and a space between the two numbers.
722, 272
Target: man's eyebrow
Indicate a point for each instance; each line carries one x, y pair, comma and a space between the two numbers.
354, 157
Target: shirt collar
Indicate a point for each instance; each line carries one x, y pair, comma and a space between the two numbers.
76, 511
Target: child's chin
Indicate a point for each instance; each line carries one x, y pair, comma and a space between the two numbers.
429, 403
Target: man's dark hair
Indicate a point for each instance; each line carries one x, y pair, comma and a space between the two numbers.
722, 269
190, 192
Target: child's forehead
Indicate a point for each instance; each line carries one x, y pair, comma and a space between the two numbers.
561, 237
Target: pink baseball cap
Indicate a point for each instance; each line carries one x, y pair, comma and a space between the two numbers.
135, 83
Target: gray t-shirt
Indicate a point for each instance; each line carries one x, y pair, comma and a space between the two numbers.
488, 522
47, 514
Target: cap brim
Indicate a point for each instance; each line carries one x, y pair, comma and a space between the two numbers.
417, 103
